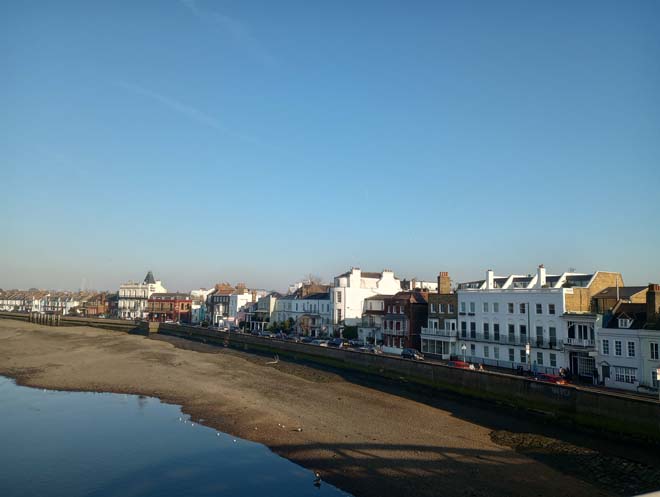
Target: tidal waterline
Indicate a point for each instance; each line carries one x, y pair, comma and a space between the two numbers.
56, 443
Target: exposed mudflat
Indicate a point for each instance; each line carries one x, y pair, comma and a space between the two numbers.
368, 438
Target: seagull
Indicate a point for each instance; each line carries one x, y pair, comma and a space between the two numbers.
234, 440
317, 480
217, 434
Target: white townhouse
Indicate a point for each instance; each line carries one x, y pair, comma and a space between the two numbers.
351, 288
15, 300
373, 314
540, 321
132, 297
239, 299
259, 317
310, 313
628, 354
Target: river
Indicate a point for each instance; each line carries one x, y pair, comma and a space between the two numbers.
100, 445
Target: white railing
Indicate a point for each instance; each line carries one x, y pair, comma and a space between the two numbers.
580, 342
439, 332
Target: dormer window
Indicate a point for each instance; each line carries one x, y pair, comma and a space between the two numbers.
625, 323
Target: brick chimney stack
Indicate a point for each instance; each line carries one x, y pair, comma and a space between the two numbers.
444, 283
653, 302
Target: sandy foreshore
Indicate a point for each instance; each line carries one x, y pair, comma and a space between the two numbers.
367, 441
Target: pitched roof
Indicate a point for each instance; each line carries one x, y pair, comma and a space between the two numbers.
379, 297
636, 312
169, 296
625, 292
317, 296
149, 279
413, 296
364, 274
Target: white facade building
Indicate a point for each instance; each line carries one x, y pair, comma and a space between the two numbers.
351, 288
239, 299
132, 303
371, 327
311, 313
629, 345
619, 358
526, 321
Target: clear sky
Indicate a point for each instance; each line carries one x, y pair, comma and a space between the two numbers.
262, 141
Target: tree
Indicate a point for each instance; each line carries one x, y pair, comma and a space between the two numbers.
313, 279
350, 332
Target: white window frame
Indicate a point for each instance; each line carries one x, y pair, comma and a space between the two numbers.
618, 348
655, 350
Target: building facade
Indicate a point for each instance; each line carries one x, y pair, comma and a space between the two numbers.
541, 322
133, 297
308, 312
371, 327
628, 356
439, 336
96, 306
165, 307
405, 315
259, 316
351, 288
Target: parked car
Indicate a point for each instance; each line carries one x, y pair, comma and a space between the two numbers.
320, 343
306, 339
371, 349
459, 364
550, 378
336, 342
413, 354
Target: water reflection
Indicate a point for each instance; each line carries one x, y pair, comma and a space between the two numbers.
102, 445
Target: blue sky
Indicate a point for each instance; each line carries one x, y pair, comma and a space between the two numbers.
262, 141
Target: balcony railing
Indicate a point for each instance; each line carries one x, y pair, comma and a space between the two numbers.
439, 332
512, 340
580, 342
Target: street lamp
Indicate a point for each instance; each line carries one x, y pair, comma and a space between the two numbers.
464, 348
528, 350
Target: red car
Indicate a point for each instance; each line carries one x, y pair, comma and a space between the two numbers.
550, 378
459, 364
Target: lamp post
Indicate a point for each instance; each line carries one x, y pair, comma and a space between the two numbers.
528, 350
464, 348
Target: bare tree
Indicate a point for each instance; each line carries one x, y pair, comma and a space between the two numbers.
313, 279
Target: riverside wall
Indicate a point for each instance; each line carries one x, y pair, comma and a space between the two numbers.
59, 320
615, 413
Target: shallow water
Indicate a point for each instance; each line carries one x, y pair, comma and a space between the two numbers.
87, 444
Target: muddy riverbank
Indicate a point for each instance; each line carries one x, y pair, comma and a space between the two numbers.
370, 440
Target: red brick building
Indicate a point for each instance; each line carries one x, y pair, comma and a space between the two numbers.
405, 314
169, 307
96, 306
